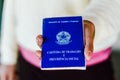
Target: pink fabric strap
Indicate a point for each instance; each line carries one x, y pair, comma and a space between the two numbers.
96, 57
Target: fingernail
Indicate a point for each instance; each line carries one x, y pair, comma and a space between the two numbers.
38, 55
89, 53
88, 58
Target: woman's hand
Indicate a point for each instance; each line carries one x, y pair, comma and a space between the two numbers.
89, 30
7, 72
89, 33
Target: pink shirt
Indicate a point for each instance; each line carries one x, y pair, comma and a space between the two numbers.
96, 57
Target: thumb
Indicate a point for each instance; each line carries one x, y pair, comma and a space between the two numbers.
89, 31
88, 50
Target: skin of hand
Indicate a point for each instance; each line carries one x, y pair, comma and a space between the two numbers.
7, 72
89, 32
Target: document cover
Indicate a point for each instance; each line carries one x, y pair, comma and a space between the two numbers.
63, 46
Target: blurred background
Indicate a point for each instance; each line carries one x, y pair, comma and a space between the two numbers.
115, 51
1, 6
116, 58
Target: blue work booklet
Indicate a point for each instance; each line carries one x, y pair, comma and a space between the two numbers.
63, 46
